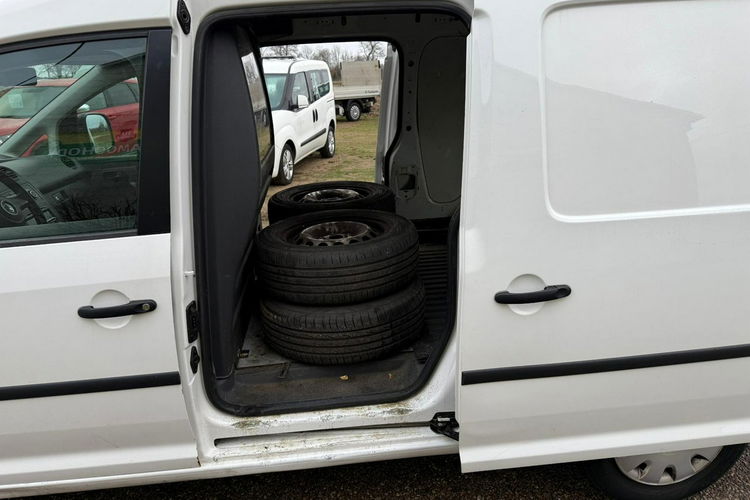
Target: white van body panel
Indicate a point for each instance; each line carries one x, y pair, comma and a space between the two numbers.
616, 169
274, 454
503, 424
80, 16
45, 344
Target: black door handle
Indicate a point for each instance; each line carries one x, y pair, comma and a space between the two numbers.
552, 292
132, 307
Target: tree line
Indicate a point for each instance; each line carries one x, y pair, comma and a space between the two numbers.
333, 55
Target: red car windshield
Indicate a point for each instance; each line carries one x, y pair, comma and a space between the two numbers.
25, 102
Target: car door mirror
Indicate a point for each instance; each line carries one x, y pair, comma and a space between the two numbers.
302, 102
100, 133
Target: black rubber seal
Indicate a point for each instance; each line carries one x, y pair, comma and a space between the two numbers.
472, 377
89, 386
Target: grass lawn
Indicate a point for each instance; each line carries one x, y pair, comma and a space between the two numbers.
354, 159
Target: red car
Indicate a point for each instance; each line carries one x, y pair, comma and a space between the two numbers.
119, 103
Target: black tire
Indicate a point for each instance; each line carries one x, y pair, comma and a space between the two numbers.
606, 475
345, 334
329, 149
377, 264
353, 111
285, 176
334, 195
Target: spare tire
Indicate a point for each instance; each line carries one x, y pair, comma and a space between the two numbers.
337, 257
334, 195
345, 334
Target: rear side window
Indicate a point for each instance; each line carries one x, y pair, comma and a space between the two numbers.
319, 82
261, 109
68, 164
325, 82
299, 87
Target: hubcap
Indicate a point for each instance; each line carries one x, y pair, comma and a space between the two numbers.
355, 112
666, 468
287, 164
331, 142
336, 233
333, 194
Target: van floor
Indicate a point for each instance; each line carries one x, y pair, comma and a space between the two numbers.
265, 382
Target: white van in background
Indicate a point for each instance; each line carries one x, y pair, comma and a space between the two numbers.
303, 109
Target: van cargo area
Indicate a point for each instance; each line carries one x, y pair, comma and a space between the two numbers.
419, 156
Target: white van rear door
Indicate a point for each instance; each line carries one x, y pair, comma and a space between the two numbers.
607, 151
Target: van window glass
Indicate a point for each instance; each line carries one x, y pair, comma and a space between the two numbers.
259, 103
275, 85
122, 94
299, 87
68, 160
325, 82
314, 84
643, 117
26, 101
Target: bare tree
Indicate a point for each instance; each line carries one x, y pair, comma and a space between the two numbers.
324, 55
59, 70
371, 51
306, 52
338, 54
280, 51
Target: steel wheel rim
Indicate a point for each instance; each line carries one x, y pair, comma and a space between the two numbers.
664, 469
330, 195
287, 164
331, 142
336, 233
355, 112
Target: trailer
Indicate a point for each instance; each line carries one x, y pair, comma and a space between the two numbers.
358, 88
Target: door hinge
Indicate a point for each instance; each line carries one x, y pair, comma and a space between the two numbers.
183, 16
446, 424
193, 322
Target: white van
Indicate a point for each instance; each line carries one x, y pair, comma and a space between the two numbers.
303, 109
587, 305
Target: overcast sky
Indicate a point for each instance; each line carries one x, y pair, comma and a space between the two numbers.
352, 48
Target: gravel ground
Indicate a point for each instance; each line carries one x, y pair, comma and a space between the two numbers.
434, 477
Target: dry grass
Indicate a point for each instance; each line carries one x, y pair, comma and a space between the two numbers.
354, 159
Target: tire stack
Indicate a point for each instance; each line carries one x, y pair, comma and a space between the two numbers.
338, 274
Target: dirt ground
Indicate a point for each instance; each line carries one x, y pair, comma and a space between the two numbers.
354, 159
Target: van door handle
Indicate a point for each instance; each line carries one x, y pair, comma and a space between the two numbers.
132, 307
552, 292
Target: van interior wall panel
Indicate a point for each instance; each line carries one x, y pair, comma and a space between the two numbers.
228, 191
424, 161
440, 117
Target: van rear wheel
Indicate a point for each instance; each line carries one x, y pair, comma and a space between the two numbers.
663, 476
353, 111
329, 149
286, 167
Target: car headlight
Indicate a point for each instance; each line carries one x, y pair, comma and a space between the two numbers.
4, 138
